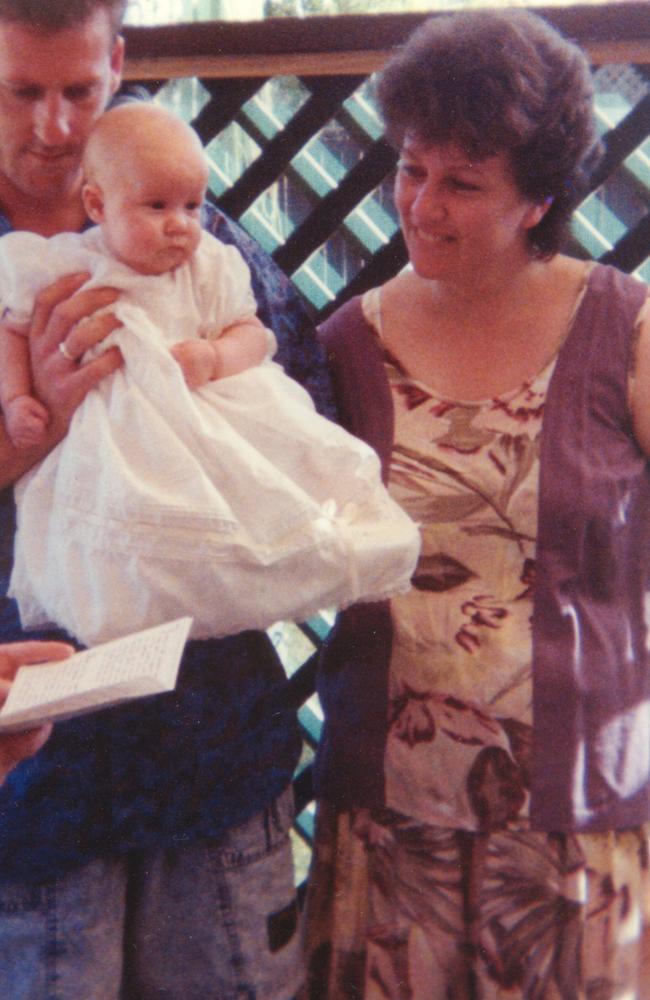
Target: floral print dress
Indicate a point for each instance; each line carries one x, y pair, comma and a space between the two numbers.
448, 893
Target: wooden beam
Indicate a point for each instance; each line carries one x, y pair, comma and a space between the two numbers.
229, 66
327, 63
350, 43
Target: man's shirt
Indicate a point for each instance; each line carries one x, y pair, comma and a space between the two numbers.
172, 768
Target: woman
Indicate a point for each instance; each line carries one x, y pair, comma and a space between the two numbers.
484, 774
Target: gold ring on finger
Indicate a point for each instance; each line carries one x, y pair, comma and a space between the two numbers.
65, 352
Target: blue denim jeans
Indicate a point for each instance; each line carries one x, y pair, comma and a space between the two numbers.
214, 920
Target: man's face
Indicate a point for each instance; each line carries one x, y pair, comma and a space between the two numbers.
52, 89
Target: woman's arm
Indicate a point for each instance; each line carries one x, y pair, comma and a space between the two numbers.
640, 379
62, 314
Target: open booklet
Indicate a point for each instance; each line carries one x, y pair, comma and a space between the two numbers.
140, 664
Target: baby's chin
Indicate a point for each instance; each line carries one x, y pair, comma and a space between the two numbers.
160, 263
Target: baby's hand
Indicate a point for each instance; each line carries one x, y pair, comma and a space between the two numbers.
197, 359
26, 419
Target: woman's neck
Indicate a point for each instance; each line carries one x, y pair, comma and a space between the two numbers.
492, 298
474, 344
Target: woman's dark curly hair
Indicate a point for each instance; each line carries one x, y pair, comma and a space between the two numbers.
500, 81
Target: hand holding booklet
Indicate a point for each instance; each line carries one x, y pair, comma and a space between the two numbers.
133, 666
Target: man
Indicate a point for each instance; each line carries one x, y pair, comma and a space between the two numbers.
54, 83
144, 850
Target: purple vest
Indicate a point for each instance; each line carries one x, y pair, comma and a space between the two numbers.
591, 669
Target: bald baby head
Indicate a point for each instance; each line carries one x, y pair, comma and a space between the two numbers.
136, 135
145, 177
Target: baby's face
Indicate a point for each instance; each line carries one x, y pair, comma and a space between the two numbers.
152, 216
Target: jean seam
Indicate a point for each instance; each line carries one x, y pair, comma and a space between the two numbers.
235, 956
51, 939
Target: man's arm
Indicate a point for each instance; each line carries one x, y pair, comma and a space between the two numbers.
62, 313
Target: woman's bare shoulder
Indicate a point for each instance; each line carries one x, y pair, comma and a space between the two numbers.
405, 291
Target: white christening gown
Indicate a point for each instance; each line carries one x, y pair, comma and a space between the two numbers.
236, 504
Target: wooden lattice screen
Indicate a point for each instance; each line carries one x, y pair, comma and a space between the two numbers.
312, 148
285, 111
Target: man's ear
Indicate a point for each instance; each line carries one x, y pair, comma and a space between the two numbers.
93, 200
117, 63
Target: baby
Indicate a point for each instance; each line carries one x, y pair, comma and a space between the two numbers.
198, 479
150, 221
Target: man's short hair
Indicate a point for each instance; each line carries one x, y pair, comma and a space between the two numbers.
55, 15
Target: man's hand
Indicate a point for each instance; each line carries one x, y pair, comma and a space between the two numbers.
14, 747
64, 315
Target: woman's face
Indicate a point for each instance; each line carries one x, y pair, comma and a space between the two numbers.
463, 220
